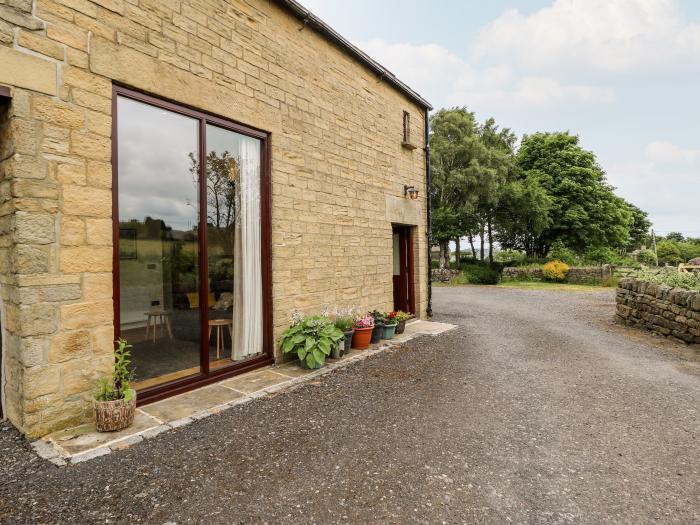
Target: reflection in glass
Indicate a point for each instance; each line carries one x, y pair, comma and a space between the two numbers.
234, 246
396, 253
158, 241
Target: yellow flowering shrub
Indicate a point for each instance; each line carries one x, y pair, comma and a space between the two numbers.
555, 271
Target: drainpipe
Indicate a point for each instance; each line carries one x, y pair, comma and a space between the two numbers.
429, 309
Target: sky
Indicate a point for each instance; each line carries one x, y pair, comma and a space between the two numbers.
623, 75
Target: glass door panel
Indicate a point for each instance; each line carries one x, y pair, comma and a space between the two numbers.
234, 246
158, 180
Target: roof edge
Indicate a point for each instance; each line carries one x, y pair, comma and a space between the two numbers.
308, 18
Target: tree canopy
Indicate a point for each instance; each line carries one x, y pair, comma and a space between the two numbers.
549, 191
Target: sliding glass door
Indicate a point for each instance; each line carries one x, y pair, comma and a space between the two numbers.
234, 245
189, 242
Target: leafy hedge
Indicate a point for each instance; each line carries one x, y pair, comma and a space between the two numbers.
687, 281
477, 272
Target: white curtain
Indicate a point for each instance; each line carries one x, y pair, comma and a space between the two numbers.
247, 271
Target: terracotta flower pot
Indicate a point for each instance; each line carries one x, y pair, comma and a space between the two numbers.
111, 416
400, 327
361, 338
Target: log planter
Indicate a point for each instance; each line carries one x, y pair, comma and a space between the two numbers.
111, 416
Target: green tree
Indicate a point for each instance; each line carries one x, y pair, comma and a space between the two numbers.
493, 169
454, 143
669, 252
584, 210
639, 229
689, 250
523, 214
470, 167
675, 236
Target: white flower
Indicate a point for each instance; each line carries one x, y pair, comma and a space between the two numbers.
296, 317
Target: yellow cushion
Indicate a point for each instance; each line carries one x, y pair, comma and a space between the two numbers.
193, 299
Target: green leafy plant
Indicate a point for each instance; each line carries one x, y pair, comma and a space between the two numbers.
378, 316
647, 257
687, 281
555, 271
559, 252
602, 255
344, 324
478, 273
118, 386
402, 316
509, 257
312, 339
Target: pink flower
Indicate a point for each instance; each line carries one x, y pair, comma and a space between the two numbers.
366, 321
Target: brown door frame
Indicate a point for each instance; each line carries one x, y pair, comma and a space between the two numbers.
406, 263
205, 376
5, 98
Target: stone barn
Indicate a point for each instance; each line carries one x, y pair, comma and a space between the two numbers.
184, 174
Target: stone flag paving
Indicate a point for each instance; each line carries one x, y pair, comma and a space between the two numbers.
83, 443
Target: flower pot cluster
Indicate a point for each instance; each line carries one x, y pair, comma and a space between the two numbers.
313, 339
375, 326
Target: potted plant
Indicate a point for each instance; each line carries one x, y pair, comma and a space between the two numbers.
362, 333
401, 318
312, 339
115, 402
345, 324
389, 325
336, 350
378, 331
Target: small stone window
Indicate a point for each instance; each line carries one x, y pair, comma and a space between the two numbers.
406, 142
406, 126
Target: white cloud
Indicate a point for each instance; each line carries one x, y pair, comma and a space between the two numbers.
663, 183
430, 68
604, 35
576, 64
664, 152
530, 91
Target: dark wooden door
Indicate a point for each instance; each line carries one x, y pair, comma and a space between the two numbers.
404, 290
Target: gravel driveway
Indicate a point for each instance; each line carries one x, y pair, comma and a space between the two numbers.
537, 409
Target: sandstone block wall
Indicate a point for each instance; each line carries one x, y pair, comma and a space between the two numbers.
338, 170
671, 312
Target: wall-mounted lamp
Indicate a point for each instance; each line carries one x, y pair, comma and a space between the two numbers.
410, 192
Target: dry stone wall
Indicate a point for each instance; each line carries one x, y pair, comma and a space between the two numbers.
338, 170
441, 275
576, 274
671, 312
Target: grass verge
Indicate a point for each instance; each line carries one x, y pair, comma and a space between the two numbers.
541, 285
